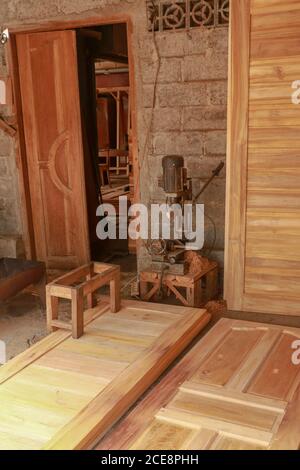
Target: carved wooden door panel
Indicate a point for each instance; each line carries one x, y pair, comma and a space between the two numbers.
238, 388
52, 124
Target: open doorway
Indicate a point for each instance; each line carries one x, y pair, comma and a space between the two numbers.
79, 137
105, 97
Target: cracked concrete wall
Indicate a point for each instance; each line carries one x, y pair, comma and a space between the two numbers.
189, 116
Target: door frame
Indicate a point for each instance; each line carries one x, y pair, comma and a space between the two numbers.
21, 154
237, 154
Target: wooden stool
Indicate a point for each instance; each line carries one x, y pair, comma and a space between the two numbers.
199, 287
77, 285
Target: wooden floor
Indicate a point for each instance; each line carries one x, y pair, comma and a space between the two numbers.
236, 389
63, 393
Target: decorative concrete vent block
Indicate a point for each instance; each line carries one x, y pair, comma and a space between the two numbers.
171, 15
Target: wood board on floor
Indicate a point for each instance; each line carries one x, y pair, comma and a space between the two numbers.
64, 393
237, 389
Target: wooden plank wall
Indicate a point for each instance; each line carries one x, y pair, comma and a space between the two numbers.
263, 203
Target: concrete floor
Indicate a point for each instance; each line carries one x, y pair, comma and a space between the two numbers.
23, 320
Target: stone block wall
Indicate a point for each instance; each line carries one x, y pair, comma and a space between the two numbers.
190, 115
10, 224
188, 93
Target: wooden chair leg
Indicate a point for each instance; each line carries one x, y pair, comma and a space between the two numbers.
77, 313
52, 309
115, 294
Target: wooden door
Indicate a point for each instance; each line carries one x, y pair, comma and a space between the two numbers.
237, 389
262, 266
52, 123
62, 393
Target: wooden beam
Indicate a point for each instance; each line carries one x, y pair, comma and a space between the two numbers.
237, 152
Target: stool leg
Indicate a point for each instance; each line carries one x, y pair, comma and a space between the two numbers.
115, 294
191, 296
200, 292
77, 313
52, 309
211, 285
91, 301
194, 295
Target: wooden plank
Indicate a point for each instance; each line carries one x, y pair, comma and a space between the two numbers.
288, 434
62, 292
277, 364
184, 413
259, 7
232, 396
239, 421
242, 378
73, 276
228, 357
63, 394
262, 222
23, 360
14, 366
237, 152
172, 435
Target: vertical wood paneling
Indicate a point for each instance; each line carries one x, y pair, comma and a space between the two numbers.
263, 230
237, 151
